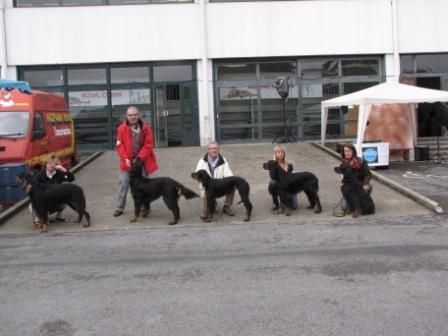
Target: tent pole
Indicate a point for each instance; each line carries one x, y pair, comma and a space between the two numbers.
395, 41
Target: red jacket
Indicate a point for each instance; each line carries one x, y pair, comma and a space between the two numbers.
146, 152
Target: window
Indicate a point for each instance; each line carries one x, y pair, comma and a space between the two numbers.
249, 106
57, 3
86, 76
360, 67
435, 63
319, 69
236, 71
129, 75
172, 73
14, 124
407, 64
271, 71
44, 78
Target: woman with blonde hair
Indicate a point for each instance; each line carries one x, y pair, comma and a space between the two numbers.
277, 174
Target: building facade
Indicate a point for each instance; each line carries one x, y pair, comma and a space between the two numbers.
201, 70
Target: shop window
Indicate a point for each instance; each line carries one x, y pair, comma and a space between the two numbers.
271, 71
44, 78
171, 73
357, 86
319, 69
36, 3
236, 71
367, 67
83, 2
172, 92
86, 76
435, 63
129, 75
407, 64
56, 3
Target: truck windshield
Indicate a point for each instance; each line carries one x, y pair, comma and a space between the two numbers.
14, 124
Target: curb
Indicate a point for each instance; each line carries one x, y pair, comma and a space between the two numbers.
419, 198
11, 211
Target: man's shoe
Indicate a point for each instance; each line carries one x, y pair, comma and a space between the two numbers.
226, 209
118, 212
274, 207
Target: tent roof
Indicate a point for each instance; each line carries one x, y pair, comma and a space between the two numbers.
389, 93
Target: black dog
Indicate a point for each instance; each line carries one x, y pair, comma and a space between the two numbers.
359, 201
294, 183
49, 198
215, 188
146, 190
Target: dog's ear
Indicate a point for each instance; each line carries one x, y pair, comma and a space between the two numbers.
268, 165
194, 175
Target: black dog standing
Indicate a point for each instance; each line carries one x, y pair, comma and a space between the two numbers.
294, 183
215, 188
146, 190
48, 198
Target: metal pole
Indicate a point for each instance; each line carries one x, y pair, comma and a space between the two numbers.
395, 41
4, 64
208, 120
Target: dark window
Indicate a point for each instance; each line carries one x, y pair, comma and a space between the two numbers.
83, 2
236, 71
407, 64
129, 75
36, 3
172, 92
270, 71
44, 78
38, 123
435, 63
172, 73
319, 69
360, 67
56, 3
86, 76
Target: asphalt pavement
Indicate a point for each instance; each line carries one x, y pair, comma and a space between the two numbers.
99, 180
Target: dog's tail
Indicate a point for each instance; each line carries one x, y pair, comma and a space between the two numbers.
188, 193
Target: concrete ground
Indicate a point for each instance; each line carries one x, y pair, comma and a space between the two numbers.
428, 178
99, 180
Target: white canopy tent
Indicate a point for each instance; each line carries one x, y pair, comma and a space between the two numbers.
385, 93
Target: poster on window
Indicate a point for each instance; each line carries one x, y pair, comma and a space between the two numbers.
119, 97
250, 92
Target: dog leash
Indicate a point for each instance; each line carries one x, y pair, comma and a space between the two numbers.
336, 213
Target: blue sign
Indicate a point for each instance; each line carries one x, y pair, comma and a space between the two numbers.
370, 154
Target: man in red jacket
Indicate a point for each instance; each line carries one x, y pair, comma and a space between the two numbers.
135, 140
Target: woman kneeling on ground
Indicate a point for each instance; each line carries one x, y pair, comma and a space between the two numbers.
277, 174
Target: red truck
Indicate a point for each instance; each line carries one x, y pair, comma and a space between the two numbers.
33, 126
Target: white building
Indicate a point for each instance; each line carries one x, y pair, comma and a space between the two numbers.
201, 70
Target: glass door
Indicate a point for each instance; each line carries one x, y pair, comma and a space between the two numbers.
160, 117
189, 113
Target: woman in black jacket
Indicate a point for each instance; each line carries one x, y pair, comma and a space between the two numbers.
276, 174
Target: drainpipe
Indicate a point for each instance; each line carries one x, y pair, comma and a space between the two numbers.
4, 64
395, 41
208, 115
